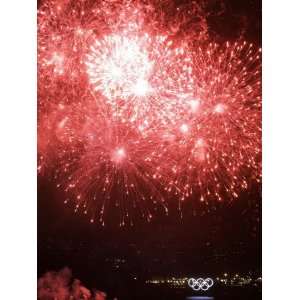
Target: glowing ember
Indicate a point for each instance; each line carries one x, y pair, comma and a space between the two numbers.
118, 155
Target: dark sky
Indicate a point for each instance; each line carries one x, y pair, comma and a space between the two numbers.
167, 244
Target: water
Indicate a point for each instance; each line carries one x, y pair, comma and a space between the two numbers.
199, 298
237, 293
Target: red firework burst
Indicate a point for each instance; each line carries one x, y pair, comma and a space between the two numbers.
143, 80
129, 118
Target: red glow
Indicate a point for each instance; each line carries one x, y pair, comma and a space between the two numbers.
125, 115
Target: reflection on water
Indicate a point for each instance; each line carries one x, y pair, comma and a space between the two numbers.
199, 298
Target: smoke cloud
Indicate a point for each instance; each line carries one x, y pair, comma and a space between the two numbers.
60, 285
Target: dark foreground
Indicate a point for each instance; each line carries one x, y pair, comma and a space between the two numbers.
160, 293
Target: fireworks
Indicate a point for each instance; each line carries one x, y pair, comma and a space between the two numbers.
142, 79
131, 119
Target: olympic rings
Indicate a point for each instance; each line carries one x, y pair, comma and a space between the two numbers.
200, 284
